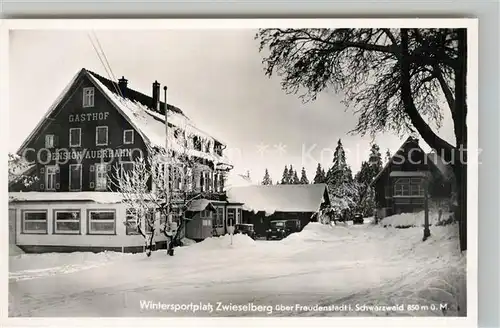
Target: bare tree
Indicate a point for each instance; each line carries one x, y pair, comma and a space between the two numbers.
161, 185
394, 79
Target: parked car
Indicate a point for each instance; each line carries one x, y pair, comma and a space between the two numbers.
246, 229
282, 228
357, 218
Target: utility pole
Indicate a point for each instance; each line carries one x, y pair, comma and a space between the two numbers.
427, 232
167, 176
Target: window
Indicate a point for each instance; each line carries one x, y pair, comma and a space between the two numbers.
149, 221
75, 137
128, 137
75, 177
67, 222
189, 179
101, 136
49, 141
34, 222
197, 143
131, 222
218, 222
101, 176
101, 222
127, 167
206, 214
405, 187
205, 181
240, 216
218, 149
88, 97
207, 222
219, 182
176, 178
50, 177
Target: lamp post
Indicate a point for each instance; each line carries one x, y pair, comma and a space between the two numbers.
427, 232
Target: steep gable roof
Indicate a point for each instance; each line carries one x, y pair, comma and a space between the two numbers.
132, 94
280, 198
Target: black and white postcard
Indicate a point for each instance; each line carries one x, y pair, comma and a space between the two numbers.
241, 168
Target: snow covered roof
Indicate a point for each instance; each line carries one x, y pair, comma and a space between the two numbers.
199, 205
150, 124
95, 196
279, 198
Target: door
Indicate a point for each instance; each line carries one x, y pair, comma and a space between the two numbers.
219, 221
231, 217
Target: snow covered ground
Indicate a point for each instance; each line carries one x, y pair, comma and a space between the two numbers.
321, 271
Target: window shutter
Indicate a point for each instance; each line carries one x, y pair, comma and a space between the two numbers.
58, 178
92, 176
56, 141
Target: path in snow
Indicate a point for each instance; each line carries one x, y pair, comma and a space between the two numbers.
321, 265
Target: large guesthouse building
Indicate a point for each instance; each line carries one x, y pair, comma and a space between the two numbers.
94, 130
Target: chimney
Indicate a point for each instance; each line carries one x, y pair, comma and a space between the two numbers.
122, 84
156, 96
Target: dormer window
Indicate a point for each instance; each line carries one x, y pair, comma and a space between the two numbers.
128, 137
197, 143
88, 97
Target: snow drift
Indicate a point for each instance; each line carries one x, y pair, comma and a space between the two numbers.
224, 242
417, 219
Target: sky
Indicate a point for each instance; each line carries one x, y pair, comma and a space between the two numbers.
215, 76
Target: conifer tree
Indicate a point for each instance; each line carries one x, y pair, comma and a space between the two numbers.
320, 176
295, 178
387, 156
291, 173
267, 179
284, 178
303, 177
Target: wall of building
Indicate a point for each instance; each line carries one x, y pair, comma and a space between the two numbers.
83, 241
69, 114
